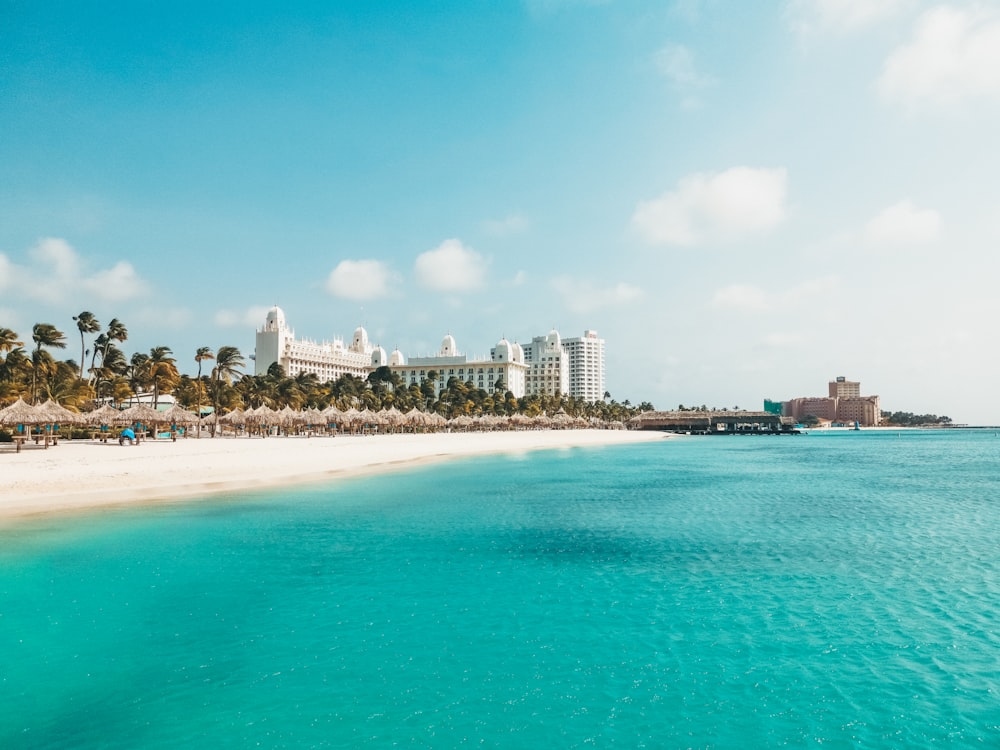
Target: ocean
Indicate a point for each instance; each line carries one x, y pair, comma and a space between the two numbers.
836, 590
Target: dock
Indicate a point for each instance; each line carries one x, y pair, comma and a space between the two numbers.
715, 422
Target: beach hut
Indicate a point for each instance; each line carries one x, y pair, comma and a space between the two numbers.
21, 413
140, 415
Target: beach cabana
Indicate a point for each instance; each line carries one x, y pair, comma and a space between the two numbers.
21, 413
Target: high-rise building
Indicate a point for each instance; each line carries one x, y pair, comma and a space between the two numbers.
548, 365
844, 388
586, 366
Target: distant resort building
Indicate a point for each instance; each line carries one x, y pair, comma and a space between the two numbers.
844, 403
548, 365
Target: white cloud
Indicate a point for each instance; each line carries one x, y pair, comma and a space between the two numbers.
676, 63
582, 296
903, 224
115, 284
842, 15
359, 279
954, 55
510, 225
451, 267
56, 273
740, 297
706, 207
6, 272
749, 298
250, 317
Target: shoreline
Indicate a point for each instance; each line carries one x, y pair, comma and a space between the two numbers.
89, 475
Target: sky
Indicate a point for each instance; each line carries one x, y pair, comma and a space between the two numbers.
745, 200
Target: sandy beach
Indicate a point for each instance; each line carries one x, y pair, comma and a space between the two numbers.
85, 474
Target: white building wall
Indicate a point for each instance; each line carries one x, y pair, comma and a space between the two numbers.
586, 366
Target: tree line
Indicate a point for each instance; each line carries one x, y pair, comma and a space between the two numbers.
103, 373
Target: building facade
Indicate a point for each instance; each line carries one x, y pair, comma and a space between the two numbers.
548, 365
503, 371
586, 366
844, 404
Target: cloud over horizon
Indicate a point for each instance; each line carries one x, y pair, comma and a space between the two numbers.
954, 55
451, 267
714, 206
582, 296
903, 224
57, 273
841, 15
359, 280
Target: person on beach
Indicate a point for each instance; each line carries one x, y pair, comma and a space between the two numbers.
127, 434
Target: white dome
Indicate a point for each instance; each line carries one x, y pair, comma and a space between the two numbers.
396, 358
552, 341
379, 358
275, 320
360, 341
448, 348
503, 351
516, 353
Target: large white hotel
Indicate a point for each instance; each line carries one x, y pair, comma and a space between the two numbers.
548, 365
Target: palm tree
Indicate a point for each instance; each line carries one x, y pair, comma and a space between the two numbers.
44, 334
228, 362
163, 373
200, 356
8, 340
85, 323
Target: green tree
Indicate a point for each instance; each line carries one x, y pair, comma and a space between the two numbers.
162, 372
43, 334
200, 356
228, 363
85, 323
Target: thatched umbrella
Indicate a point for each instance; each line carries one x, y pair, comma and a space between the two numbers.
102, 416
177, 415
21, 412
415, 418
352, 417
521, 420
464, 422
394, 417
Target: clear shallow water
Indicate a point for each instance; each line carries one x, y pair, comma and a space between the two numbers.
839, 589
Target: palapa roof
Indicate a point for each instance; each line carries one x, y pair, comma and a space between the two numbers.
21, 412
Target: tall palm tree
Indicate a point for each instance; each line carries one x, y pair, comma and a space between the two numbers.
8, 340
163, 373
200, 356
85, 323
228, 362
44, 334
116, 332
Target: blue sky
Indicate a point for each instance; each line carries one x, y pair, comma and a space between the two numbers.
744, 199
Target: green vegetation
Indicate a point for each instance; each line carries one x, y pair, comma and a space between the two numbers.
111, 376
906, 419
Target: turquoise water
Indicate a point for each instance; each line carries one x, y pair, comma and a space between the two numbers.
835, 590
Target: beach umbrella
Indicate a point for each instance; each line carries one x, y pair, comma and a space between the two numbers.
236, 417
415, 418
463, 422
177, 415
21, 412
56, 412
140, 413
104, 415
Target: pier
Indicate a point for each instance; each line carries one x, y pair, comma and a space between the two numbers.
715, 422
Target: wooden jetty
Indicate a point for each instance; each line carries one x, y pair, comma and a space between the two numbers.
715, 422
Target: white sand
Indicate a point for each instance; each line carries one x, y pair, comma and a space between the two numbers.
85, 474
